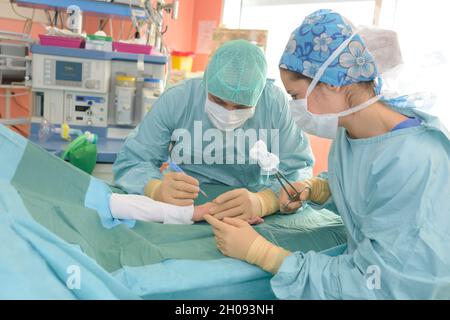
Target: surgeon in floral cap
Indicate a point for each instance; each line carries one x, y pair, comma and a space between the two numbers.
315, 41
387, 178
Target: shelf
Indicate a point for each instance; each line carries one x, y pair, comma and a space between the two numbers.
87, 6
13, 86
15, 121
95, 54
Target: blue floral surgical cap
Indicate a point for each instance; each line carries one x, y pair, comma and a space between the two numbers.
311, 44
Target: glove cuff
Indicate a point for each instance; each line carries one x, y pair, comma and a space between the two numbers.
269, 202
151, 188
320, 190
266, 255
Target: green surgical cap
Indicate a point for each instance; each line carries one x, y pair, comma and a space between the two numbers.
237, 73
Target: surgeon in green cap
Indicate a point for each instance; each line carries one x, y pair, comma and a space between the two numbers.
207, 126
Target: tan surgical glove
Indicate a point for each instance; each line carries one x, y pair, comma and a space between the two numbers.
237, 239
176, 188
320, 190
269, 202
244, 204
266, 255
314, 189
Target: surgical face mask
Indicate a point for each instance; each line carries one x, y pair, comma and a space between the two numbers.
323, 125
227, 120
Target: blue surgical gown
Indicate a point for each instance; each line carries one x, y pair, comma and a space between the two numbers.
393, 194
179, 117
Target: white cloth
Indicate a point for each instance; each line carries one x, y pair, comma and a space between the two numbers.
267, 161
137, 207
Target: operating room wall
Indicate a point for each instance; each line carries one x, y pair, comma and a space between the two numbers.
182, 33
320, 147
205, 10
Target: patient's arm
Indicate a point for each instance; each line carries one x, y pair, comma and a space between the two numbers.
137, 207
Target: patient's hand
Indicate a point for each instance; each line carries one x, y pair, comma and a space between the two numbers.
256, 220
200, 211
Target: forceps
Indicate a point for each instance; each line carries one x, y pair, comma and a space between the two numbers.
296, 196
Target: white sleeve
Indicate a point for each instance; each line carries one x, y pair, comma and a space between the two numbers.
137, 207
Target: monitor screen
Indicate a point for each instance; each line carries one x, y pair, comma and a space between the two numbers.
69, 71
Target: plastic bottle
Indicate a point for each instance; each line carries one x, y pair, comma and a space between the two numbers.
151, 90
125, 91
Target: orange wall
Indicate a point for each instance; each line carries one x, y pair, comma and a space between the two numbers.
179, 32
320, 147
204, 10
182, 33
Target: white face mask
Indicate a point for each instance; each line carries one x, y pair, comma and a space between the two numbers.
323, 125
227, 120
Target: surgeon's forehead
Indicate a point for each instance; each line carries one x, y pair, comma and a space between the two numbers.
229, 103
288, 83
293, 81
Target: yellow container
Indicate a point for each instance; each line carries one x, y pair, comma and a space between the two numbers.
182, 60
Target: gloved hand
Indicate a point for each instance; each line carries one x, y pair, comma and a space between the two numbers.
245, 205
202, 210
176, 188
237, 239
315, 190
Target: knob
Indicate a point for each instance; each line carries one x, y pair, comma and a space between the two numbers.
90, 84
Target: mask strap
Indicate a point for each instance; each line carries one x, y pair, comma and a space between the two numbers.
325, 65
360, 107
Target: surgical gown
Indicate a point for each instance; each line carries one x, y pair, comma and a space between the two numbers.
179, 118
392, 192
